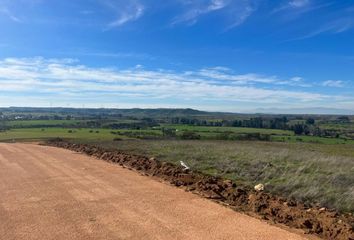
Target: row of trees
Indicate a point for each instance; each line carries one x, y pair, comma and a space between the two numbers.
304, 127
257, 122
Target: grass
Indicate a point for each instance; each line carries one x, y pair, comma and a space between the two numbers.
181, 127
31, 123
206, 133
277, 135
87, 134
308, 172
59, 123
311, 139
45, 133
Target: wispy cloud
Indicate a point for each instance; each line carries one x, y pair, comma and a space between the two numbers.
292, 5
236, 11
333, 83
126, 12
198, 8
299, 7
240, 15
10, 15
335, 27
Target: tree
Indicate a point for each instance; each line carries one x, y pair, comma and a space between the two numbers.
310, 121
298, 129
343, 119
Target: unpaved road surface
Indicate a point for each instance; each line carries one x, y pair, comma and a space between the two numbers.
51, 193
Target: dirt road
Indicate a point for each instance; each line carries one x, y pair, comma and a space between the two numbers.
51, 193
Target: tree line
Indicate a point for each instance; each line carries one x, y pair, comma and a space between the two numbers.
301, 127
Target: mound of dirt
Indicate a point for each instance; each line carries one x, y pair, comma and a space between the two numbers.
325, 223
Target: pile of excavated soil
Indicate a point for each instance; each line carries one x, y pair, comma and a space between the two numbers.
314, 220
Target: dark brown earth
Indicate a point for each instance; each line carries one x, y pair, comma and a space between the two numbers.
325, 223
51, 193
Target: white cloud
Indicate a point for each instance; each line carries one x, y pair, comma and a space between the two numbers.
65, 78
236, 11
127, 17
125, 11
333, 83
299, 6
199, 8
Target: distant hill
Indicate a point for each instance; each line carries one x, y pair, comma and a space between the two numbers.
137, 112
173, 112
309, 111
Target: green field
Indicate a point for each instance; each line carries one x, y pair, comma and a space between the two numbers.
45, 133
203, 129
28, 130
31, 123
76, 133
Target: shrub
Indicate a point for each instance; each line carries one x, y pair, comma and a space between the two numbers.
189, 135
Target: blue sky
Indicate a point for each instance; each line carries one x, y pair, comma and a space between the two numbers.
224, 55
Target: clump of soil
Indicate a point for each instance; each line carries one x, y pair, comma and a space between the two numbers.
327, 224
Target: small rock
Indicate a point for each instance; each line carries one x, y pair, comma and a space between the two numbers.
184, 165
322, 209
259, 187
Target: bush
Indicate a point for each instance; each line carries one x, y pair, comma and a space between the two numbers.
189, 135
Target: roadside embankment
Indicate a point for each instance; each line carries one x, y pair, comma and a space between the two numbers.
322, 222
